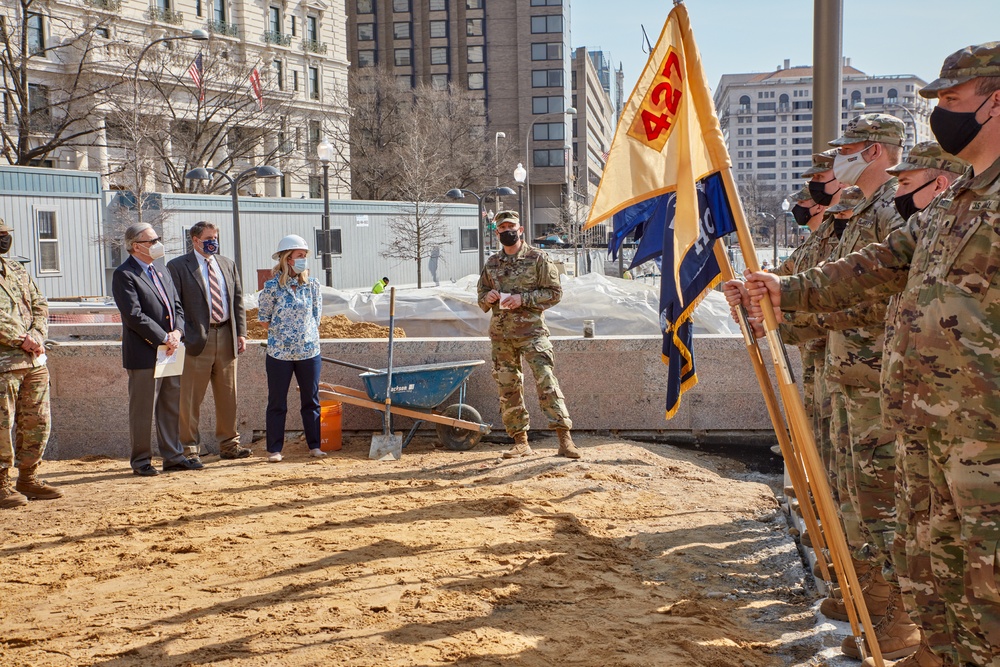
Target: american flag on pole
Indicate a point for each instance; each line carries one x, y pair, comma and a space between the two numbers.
256, 89
195, 71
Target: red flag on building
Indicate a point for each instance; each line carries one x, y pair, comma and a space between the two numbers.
255, 87
195, 71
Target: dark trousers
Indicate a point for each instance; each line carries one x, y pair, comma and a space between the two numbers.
279, 377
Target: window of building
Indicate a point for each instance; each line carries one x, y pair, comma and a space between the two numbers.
802, 116
279, 78
103, 31
763, 142
315, 187
541, 105
366, 32
36, 33
545, 157
312, 29
546, 3
439, 81
274, 20
401, 6
404, 80
477, 80
765, 106
295, 31
473, 4
366, 7
199, 10
546, 78
783, 100
295, 80
745, 101
750, 142
548, 132
474, 54
439, 55
767, 119
366, 58
802, 128
439, 28
542, 24
765, 153
438, 5
768, 177
474, 27
314, 83
469, 239
766, 130
546, 51
402, 57
48, 242
401, 29
219, 11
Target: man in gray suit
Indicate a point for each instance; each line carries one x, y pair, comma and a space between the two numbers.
152, 315
215, 334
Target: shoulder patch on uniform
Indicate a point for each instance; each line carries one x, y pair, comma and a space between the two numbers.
944, 202
984, 205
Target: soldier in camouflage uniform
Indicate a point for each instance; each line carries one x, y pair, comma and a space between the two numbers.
516, 285
24, 316
942, 376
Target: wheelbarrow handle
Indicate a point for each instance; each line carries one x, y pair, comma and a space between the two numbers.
349, 365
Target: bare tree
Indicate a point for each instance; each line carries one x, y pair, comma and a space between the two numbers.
53, 87
762, 204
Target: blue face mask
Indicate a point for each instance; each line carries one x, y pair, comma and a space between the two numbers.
210, 246
299, 265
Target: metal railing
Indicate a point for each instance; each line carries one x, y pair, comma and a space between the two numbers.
161, 15
107, 5
277, 38
313, 46
223, 28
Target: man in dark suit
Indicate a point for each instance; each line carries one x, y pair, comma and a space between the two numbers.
214, 335
151, 316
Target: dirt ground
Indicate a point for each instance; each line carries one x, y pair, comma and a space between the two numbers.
637, 554
336, 326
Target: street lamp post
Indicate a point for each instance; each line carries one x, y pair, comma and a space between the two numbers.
459, 193
519, 175
529, 229
913, 120
204, 174
197, 35
325, 153
774, 244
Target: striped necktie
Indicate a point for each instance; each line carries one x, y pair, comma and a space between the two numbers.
216, 293
163, 294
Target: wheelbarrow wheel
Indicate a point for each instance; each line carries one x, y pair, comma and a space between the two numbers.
459, 439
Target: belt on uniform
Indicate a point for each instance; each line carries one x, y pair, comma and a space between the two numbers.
219, 325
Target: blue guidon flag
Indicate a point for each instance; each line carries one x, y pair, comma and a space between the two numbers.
665, 183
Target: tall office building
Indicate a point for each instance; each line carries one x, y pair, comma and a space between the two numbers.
767, 118
297, 46
514, 55
593, 130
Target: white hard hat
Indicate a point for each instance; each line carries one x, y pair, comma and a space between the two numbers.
290, 242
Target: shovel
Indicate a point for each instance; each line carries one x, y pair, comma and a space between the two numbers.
388, 446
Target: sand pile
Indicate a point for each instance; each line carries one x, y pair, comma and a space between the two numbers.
337, 326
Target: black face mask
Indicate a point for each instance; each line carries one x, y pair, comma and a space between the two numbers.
839, 226
509, 237
955, 130
904, 203
819, 194
801, 215
5, 242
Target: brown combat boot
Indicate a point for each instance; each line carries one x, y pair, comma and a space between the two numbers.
520, 448
9, 497
566, 446
896, 634
924, 657
834, 606
34, 488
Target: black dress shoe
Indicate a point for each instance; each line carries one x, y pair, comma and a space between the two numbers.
145, 471
238, 453
183, 464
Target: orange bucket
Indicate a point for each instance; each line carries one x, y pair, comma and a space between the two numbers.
329, 426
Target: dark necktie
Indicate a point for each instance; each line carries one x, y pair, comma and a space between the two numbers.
216, 291
163, 294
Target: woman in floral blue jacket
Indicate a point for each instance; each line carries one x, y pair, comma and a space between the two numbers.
291, 305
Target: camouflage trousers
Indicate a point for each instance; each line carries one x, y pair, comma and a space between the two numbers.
537, 352
840, 439
911, 548
820, 397
964, 476
872, 475
25, 404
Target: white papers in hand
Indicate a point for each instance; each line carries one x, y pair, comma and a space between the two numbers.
169, 365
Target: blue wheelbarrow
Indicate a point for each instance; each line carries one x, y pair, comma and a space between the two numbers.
419, 392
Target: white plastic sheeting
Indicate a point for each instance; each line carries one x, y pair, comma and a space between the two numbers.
618, 308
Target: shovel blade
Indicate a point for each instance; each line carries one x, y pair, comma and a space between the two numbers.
388, 447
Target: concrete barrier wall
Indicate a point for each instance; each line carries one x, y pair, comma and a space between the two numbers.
610, 383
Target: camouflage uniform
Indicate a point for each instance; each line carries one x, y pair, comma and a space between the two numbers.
23, 312
521, 332
942, 380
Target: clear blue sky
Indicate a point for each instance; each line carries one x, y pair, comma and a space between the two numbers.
758, 35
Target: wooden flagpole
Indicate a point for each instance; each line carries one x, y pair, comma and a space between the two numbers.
814, 470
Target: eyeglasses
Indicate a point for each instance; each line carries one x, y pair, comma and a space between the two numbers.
149, 241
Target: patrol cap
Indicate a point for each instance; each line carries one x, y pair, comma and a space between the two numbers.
506, 216
880, 127
821, 162
851, 199
801, 195
4, 227
965, 65
929, 155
